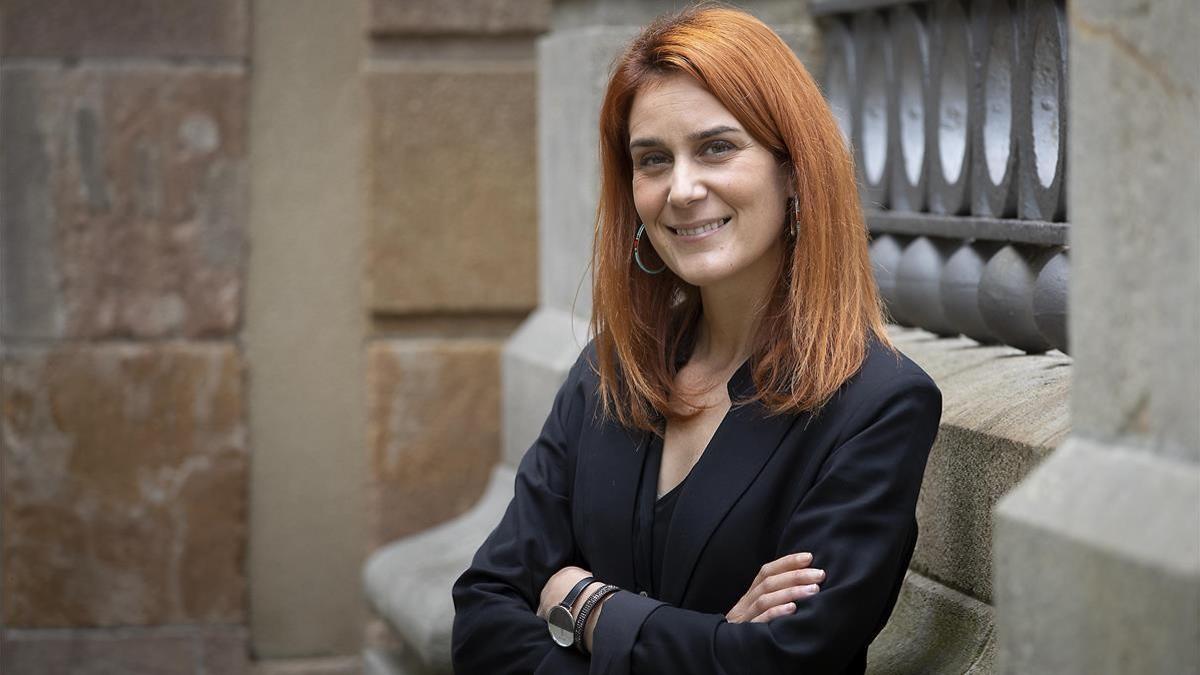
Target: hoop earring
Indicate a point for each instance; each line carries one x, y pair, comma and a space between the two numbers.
637, 258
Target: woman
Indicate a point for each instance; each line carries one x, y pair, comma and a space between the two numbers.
728, 478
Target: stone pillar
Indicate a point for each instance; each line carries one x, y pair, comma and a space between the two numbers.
305, 329
124, 449
1097, 553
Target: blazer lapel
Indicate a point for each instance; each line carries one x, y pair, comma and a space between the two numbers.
612, 470
739, 448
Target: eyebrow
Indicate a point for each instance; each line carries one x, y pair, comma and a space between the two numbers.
693, 137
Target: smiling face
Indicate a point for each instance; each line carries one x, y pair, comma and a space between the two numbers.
713, 200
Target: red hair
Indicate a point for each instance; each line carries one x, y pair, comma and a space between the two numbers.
824, 306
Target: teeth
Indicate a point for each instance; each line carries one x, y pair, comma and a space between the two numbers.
707, 227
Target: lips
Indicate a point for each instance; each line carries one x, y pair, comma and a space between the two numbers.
702, 228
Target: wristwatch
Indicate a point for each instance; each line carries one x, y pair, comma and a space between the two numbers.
559, 619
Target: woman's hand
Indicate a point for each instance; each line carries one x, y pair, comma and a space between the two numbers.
774, 592
558, 586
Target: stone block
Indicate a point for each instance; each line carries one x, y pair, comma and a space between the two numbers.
451, 189
432, 17
933, 631
1003, 413
171, 650
124, 485
140, 28
433, 429
1098, 564
122, 201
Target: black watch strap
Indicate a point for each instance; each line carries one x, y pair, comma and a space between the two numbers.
586, 610
575, 591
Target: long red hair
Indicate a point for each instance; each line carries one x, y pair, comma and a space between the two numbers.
824, 306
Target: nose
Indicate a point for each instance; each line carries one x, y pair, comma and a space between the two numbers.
687, 187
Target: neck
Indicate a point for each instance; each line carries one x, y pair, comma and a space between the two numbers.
731, 315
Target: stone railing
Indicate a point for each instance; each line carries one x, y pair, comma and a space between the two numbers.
956, 113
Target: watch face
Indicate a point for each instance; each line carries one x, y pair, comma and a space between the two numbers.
562, 626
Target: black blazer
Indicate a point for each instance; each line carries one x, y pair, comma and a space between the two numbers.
842, 484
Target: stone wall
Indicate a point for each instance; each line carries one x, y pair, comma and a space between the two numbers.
451, 220
124, 451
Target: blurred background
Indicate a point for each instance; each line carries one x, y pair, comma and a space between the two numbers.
287, 286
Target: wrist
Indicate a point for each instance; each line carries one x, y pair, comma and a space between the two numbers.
582, 597
592, 620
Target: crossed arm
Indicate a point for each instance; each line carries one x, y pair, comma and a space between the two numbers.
779, 585
857, 518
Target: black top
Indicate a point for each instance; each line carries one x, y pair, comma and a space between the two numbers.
653, 520
841, 483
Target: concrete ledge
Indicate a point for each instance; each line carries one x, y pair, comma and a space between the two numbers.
1003, 413
408, 582
933, 631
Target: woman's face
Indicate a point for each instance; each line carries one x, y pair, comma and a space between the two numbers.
712, 199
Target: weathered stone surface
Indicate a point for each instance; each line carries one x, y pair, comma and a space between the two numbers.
172, 650
124, 485
1098, 564
933, 631
122, 201
180, 28
433, 429
425, 17
1002, 413
1135, 236
452, 196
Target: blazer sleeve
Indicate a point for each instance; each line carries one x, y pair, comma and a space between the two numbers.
857, 520
496, 629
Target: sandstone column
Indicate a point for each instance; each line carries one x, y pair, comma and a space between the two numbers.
305, 329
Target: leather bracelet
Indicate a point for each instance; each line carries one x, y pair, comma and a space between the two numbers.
569, 599
586, 610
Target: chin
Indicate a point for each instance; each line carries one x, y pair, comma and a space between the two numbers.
701, 277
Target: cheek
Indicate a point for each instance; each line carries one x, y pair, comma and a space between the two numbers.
647, 200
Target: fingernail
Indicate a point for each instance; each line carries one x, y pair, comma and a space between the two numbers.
805, 557
821, 573
812, 588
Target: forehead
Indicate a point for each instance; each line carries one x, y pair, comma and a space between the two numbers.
675, 104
